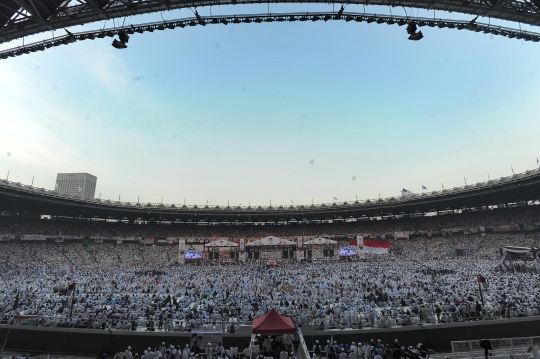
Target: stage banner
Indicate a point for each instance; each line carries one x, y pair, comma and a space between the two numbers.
32, 237
300, 255
360, 246
242, 256
242, 244
360, 243
118, 241
300, 243
182, 245
202, 338
429, 232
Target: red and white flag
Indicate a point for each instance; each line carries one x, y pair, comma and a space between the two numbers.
376, 247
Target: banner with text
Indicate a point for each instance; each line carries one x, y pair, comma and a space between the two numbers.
182, 245
32, 237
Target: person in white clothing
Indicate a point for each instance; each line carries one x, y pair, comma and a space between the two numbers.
247, 352
234, 350
185, 352
209, 351
342, 355
162, 349
353, 348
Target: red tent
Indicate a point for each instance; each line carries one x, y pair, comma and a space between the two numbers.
273, 323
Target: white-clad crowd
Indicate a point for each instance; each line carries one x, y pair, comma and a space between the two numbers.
132, 287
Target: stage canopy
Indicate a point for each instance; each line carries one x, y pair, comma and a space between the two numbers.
221, 243
320, 240
519, 250
273, 323
271, 241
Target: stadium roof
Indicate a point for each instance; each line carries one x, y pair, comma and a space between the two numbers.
20, 18
16, 197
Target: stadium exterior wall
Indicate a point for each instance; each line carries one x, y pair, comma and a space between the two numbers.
88, 342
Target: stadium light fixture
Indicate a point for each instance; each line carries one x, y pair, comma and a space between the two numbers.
121, 43
413, 34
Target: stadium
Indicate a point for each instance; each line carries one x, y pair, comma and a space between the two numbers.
301, 102
450, 235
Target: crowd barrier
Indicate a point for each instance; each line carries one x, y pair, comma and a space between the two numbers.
88, 342
502, 348
437, 337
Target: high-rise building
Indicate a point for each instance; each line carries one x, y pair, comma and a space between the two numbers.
78, 184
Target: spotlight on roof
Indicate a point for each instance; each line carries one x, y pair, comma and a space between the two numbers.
123, 40
417, 36
123, 37
119, 44
413, 34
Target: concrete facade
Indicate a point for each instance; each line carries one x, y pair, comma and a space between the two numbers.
70, 183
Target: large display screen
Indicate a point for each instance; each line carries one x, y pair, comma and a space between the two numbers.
193, 254
348, 251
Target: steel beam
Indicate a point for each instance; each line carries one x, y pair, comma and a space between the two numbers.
521, 11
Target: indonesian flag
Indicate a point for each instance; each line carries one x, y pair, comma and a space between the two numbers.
376, 247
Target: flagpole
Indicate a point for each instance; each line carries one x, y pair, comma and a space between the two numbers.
7, 177
32, 180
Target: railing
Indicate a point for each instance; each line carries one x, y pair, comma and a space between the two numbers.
516, 348
303, 351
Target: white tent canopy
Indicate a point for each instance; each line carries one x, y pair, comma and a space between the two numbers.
320, 240
513, 249
221, 243
271, 241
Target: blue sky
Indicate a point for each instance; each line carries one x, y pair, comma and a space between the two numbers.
258, 112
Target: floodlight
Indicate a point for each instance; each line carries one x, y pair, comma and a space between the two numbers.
123, 36
119, 44
417, 36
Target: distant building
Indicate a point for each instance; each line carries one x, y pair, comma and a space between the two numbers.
78, 184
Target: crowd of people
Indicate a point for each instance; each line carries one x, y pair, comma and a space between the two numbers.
137, 287
111, 229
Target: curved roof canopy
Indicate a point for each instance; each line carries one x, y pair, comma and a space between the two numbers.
20, 18
16, 197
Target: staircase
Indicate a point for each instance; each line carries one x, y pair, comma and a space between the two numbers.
83, 258
92, 255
